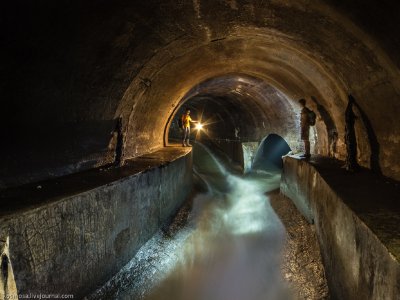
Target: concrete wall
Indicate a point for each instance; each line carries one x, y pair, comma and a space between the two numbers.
233, 149
357, 264
241, 154
72, 245
249, 152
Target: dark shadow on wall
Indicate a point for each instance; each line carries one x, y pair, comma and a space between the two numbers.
350, 137
330, 126
4, 271
269, 154
372, 138
119, 147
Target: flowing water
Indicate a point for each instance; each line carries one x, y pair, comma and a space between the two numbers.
235, 249
229, 249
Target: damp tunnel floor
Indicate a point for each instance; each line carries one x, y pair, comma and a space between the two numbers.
235, 238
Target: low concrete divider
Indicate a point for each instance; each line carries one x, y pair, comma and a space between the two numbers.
358, 264
73, 243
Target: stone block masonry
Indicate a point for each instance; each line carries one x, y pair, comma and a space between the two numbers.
76, 240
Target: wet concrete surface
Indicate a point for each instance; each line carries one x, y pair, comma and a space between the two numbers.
302, 264
151, 264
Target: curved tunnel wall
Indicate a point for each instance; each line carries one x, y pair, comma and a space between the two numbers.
73, 68
265, 72
240, 108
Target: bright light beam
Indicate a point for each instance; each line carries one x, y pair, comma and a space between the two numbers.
199, 126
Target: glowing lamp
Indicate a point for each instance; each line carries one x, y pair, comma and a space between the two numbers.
199, 126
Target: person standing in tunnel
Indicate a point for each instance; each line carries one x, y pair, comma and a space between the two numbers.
186, 120
305, 128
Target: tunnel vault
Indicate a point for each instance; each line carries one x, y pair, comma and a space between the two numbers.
139, 61
86, 81
260, 59
239, 108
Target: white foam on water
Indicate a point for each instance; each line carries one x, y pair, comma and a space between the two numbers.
235, 251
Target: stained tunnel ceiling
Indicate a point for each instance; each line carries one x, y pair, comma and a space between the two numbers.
75, 66
243, 108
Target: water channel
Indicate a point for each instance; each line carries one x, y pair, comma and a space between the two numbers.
235, 239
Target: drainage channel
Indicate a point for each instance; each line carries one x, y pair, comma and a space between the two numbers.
237, 240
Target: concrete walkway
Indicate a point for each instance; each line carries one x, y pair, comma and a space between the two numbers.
356, 216
32, 195
374, 199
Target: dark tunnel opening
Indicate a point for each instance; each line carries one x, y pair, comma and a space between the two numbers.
237, 112
269, 153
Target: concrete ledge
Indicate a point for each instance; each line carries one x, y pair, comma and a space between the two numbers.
356, 218
75, 232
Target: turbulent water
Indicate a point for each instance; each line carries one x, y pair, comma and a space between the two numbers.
235, 250
230, 248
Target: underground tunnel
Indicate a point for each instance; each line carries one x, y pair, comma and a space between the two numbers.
100, 200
